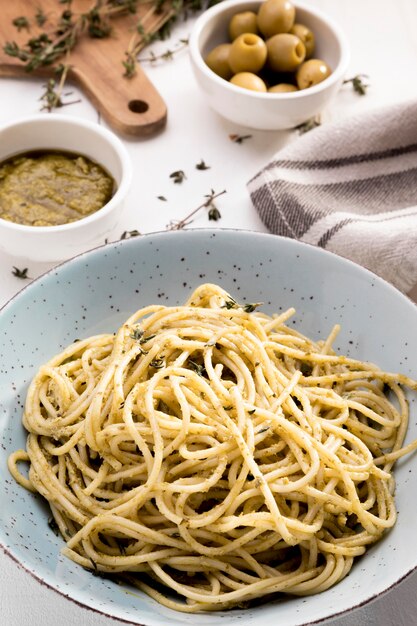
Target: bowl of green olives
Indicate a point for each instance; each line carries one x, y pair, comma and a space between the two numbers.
268, 64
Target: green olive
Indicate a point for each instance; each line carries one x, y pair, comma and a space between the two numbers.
275, 16
306, 36
285, 52
244, 22
311, 73
247, 53
248, 80
283, 88
217, 60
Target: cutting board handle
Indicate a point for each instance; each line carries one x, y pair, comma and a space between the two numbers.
131, 106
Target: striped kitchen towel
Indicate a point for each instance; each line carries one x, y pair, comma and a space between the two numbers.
350, 187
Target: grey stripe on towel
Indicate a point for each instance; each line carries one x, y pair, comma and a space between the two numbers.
350, 187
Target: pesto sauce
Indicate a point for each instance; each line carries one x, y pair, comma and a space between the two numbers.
49, 188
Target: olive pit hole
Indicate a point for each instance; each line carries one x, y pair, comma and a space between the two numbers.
299, 50
138, 106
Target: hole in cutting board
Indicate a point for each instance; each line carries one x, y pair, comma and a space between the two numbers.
138, 106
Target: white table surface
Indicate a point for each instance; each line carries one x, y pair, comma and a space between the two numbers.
383, 36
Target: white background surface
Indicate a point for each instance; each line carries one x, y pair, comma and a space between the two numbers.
383, 37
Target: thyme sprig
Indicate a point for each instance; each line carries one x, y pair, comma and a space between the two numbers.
207, 204
167, 55
53, 95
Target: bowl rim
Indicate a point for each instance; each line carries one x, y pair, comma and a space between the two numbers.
110, 137
336, 75
8, 550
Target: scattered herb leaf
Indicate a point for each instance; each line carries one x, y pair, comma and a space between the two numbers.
126, 234
162, 198
157, 363
40, 17
305, 127
202, 166
250, 307
230, 304
148, 338
197, 367
214, 213
21, 23
239, 138
137, 334
178, 176
358, 84
20, 273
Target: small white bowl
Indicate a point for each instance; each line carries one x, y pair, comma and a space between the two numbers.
267, 111
57, 132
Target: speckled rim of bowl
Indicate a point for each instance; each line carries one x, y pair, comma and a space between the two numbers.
131, 241
335, 76
107, 135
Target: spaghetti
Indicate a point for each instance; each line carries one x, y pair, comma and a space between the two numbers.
212, 450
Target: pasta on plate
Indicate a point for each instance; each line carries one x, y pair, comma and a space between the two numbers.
212, 450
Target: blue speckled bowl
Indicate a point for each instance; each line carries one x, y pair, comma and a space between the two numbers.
96, 291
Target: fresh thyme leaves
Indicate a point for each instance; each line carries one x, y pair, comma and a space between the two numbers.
305, 127
52, 96
21, 23
157, 363
178, 176
239, 138
40, 17
250, 307
148, 338
162, 198
197, 367
251, 411
358, 84
137, 334
207, 204
127, 234
230, 304
214, 214
167, 55
202, 166
20, 273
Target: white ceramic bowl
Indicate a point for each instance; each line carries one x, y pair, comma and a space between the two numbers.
267, 111
57, 132
97, 291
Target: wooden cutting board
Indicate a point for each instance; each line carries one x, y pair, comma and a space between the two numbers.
132, 106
